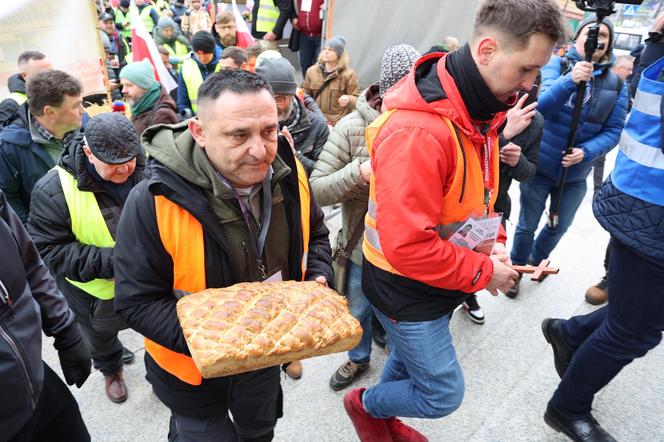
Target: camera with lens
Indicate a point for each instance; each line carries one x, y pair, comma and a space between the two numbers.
602, 7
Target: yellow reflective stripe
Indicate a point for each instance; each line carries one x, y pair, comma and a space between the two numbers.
89, 227
305, 209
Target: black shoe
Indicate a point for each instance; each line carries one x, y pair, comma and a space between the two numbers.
511, 293
585, 429
128, 356
562, 351
473, 309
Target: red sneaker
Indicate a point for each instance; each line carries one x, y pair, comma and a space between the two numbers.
404, 433
368, 428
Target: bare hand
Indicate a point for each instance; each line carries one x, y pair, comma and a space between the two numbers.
510, 154
321, 280
499, 249
582, 71
344, 100
503, 277
289, 138
519, 117
575, 157
365, 170
270, 36
294, 22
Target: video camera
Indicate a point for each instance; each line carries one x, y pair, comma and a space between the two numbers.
602, 8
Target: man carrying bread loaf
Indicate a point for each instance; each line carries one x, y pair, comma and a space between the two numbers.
435, 171
224, 201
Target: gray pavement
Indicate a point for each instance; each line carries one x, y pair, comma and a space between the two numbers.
508, 370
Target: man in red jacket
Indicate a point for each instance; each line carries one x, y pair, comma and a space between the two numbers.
310, 24
435, 162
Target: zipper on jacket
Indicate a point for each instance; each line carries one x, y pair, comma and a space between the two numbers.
24, 366
5, 298
245, 253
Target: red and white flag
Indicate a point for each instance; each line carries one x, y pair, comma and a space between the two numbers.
244, 38
143, 46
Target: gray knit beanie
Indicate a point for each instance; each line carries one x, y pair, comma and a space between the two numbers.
337, 44
397, 62
279, 73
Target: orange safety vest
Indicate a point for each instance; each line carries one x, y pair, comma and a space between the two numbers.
182, 236
464, 198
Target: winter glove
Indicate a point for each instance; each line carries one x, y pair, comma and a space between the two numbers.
74, 355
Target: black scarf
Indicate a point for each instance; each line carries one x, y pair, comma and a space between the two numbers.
482, 105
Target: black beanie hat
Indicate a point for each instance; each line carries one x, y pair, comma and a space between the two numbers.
203, 41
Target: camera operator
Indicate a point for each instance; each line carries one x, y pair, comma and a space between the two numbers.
602, 120
590, 350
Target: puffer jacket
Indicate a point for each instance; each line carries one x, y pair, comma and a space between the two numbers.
337, 178
602, 117
8, 106
635, 223
50, 225
343, 81
36, 306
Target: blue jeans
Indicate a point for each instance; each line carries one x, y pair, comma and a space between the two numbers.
422, 377
534, 194
361, 310
309, 49
610, 338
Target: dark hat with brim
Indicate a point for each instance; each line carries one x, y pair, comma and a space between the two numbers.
112, 138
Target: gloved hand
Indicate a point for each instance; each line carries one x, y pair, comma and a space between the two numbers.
75, 362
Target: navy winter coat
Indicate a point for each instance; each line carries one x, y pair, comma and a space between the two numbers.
601, 123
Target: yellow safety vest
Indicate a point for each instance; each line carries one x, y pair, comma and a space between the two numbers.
147, 20
120, 18
18, 97
267, 16
89, 227
193, 79
183, 239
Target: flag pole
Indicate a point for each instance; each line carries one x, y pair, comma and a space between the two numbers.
100, 49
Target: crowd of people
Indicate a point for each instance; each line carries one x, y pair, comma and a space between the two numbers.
107, 220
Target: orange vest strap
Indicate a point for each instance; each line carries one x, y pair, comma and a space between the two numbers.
182, 237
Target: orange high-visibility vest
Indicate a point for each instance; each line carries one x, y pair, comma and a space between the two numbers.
464, 198
182, 236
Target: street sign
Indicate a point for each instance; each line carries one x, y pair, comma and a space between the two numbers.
630, 10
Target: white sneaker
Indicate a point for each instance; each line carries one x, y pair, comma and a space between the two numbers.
473, 310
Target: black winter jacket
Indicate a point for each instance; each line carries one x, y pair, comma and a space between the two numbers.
50, 225
309, 135
144, 271
36, 306
8, 106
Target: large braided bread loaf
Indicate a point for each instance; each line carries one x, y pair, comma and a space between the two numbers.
249, 326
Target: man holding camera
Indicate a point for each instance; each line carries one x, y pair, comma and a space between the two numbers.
590, 350
602, 120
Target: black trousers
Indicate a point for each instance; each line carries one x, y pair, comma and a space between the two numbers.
255, 400
104, 344
56, 417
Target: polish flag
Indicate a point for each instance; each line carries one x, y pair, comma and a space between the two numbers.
244, 38
143, 46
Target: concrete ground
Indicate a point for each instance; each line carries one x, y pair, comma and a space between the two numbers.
507, 364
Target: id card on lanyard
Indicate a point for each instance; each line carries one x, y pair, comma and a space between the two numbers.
486, 173
257, 244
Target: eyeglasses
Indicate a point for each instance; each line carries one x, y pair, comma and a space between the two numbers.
282, 99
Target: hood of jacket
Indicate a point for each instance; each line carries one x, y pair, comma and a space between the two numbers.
211, 65
430, 88
16, 83
605, 63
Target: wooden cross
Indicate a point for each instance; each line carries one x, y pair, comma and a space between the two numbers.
540, 272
